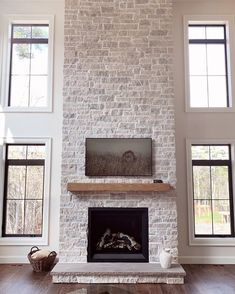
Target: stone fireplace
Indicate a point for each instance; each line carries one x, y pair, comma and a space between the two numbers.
118, 83
162, 221
75, 265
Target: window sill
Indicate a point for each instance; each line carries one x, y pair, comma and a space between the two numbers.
25, 109
223, 242
23, 241
210, 110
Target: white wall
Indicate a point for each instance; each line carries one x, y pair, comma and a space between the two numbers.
40, 124
188, 125
196, 126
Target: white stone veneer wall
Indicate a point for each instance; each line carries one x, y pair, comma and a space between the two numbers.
162, 222
117, 83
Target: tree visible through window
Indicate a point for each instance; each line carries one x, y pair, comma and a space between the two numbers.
208, 70
23, 190
28, 65
212, 190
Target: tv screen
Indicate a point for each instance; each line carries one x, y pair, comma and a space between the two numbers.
118, 157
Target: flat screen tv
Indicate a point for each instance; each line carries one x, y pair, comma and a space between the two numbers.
118, 157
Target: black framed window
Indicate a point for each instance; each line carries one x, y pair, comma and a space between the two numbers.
23, 190
28, 65
212, 191
208, 66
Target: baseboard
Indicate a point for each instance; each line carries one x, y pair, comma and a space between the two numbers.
207, 259
13, 259
182, 259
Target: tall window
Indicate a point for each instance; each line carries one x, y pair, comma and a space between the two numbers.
23, 190
212, 190
28, 65
208, 66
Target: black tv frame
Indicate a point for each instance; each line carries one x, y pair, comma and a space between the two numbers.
122, 175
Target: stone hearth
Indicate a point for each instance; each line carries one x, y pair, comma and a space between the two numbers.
117, 273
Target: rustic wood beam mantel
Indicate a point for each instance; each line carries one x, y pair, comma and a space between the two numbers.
119, 187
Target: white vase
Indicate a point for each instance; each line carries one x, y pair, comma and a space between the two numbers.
165, 258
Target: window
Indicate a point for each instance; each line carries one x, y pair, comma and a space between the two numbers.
24, 190
208, 72
28, 65
212, 190
208, 63
28, 62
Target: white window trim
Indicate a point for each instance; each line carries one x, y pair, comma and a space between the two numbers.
227, 241
228, 20
8, 20
27, 240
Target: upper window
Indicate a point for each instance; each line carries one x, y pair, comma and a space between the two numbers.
208, 71
208, 63
27, 68
212, 191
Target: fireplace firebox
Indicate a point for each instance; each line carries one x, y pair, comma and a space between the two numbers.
118, 235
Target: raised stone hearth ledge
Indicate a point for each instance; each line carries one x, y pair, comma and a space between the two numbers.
119, 187
113, 273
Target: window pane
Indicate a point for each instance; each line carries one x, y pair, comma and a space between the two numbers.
33, 221
217, 91
15, 217
198, 91
211, 185
216, 59
219, 152
200, 152
203, 217
16, 182
29, 66
201, 182
197, 59
21, 32
215, 32
36, 152
40, 32
20, 59
207, 67
39, 60
24, 189
38, 91
197, 32
16, 152
219, 178
34, 183
19, 91
221, 217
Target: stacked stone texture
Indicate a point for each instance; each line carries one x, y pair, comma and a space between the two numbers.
117, 279
117, 83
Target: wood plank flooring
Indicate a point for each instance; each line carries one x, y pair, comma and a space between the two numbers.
200, 279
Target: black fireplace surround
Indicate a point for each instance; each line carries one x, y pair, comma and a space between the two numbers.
118, 235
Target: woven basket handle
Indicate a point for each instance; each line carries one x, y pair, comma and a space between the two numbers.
52, 253
34, 249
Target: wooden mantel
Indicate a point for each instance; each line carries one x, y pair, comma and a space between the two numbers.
118, 187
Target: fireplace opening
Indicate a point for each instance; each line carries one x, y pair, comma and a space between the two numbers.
117, 235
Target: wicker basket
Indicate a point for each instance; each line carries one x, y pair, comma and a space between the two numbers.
44, 264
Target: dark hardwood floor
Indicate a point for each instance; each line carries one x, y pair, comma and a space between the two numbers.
200, 279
